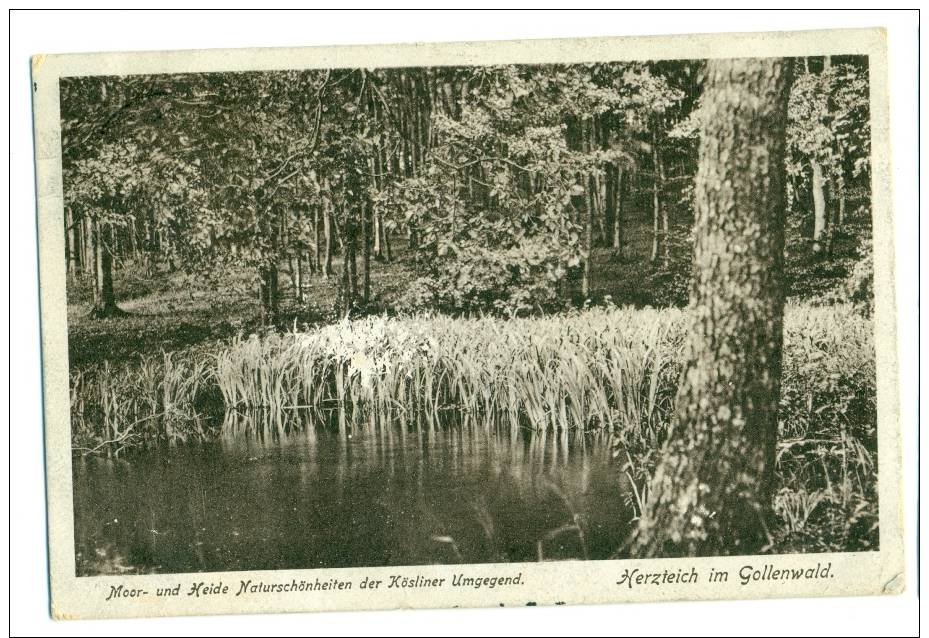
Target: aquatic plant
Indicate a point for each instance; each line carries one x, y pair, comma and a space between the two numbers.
159, 399
605, 367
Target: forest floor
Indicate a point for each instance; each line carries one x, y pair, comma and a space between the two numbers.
172, 311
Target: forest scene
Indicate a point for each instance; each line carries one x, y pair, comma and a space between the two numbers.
399, 316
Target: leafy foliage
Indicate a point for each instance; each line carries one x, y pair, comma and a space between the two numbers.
502, 179
829, 122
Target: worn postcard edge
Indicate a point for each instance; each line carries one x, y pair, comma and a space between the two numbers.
578, 582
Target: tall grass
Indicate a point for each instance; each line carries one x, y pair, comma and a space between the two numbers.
160, 399
610, 368
827, 450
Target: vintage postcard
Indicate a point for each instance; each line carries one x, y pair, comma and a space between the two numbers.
474, 324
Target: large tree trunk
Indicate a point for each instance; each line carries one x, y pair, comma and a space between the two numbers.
712, 491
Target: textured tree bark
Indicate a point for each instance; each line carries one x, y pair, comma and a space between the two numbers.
712, 491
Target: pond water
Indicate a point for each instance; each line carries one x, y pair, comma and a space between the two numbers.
320, 499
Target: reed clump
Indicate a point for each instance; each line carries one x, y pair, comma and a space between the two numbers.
160, 399
609, 368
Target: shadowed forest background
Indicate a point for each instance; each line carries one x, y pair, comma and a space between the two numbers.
270, 255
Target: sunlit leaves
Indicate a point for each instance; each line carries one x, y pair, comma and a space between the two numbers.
829, 122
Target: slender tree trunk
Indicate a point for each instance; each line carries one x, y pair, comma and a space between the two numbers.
352, 251
317, 242
366, 252
300, 276
619, 187
328, 242
712, 491
104, 296
292, 275
586, 141
349, 265
588, 242
821, 196
840, 192
665, 225
69, 244
154, 249
77, 245
138, 238
269, 295
88, 252
609, 207
656, 204
348, 300
819, 207
378, 247
386, 239
164, 241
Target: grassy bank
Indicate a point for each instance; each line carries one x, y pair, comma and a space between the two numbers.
613, 368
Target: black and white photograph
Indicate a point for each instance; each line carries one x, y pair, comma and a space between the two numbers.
358, 317
450, 315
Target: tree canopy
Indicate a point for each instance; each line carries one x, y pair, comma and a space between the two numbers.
500, 180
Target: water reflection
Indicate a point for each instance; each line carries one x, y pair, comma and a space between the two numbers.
309, 497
